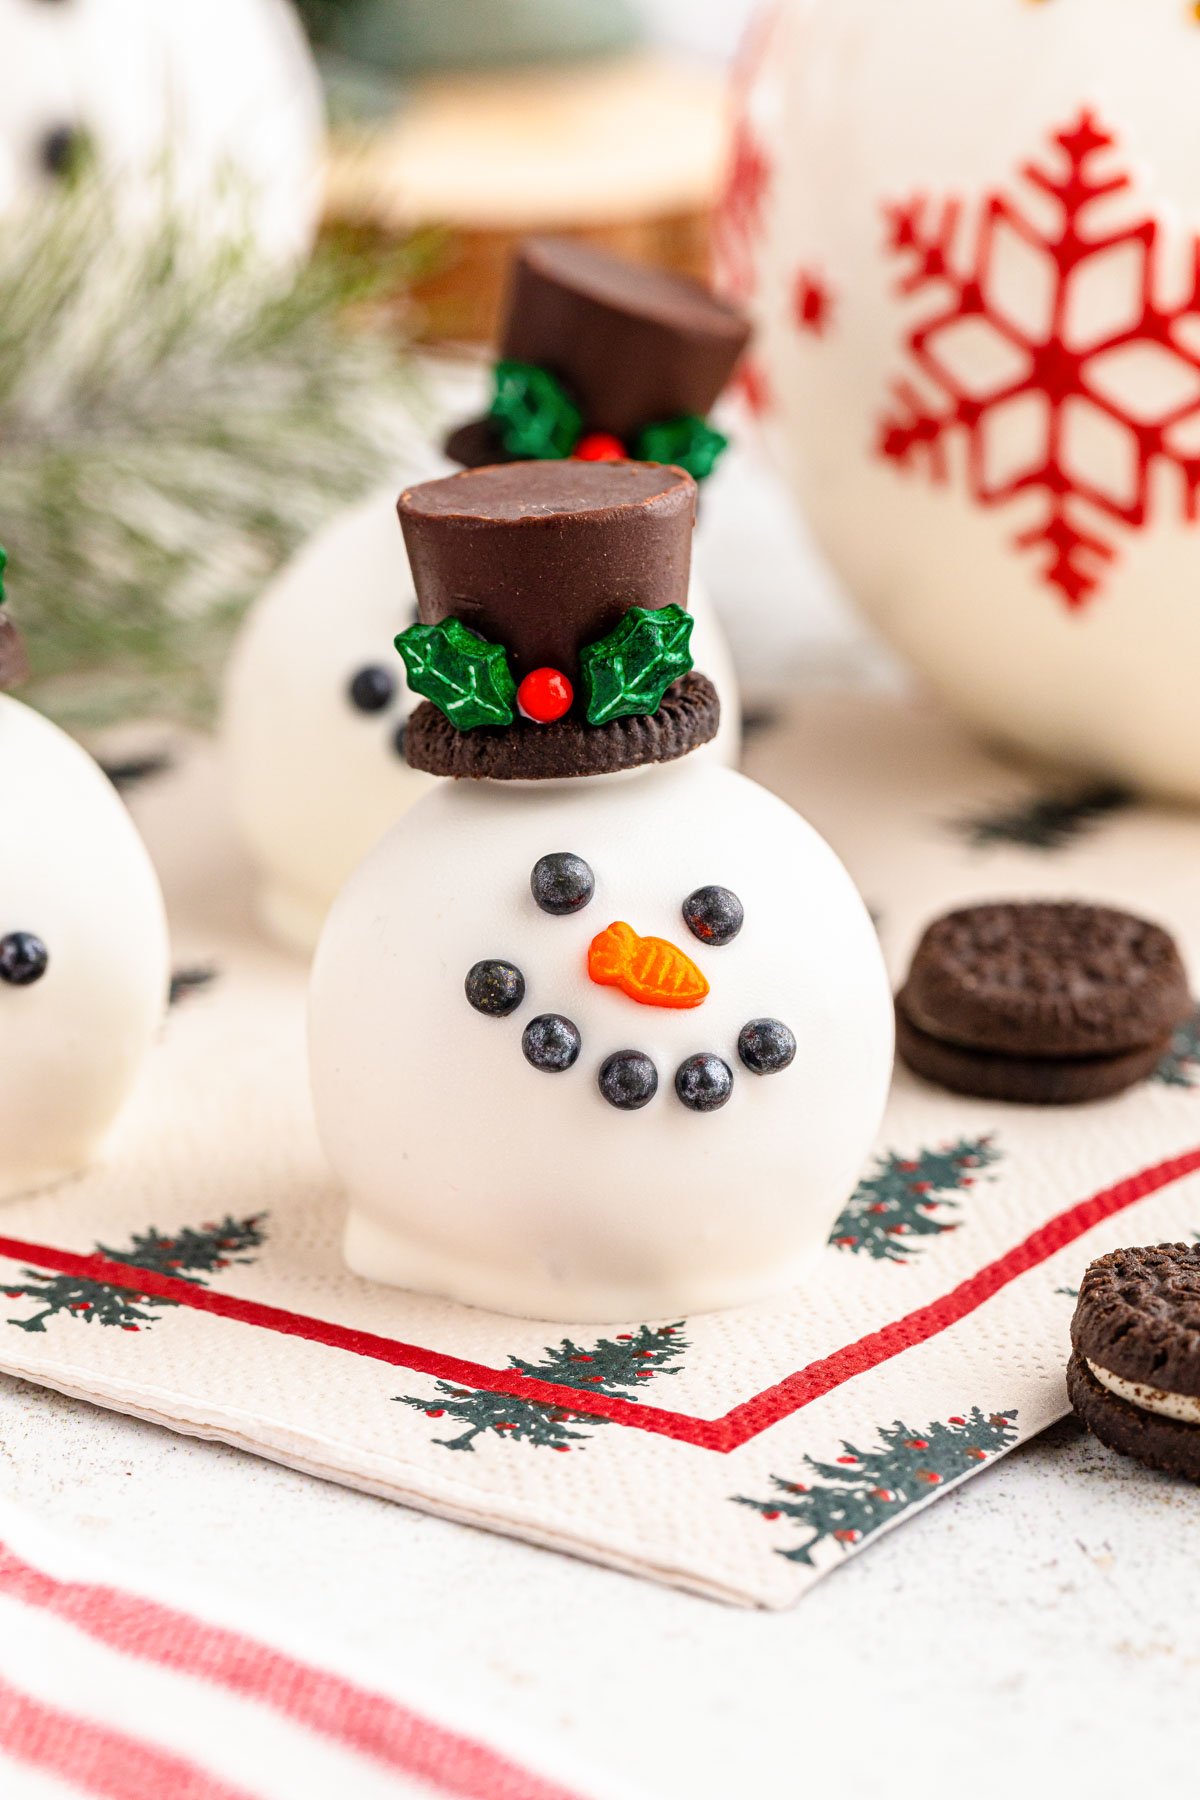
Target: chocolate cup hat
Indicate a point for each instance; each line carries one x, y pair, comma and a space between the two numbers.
545, 560
632, 346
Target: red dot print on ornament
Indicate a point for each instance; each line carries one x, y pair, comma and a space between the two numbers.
1068, 391
812, 303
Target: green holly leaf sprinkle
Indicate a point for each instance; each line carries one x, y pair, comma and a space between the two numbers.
690, 443
466, 677
534, 414
631, 669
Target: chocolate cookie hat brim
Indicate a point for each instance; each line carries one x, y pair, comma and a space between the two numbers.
689, 716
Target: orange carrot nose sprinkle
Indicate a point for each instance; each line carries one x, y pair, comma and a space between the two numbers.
650, 970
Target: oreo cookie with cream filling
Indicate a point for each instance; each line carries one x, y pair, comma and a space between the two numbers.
1134, 1375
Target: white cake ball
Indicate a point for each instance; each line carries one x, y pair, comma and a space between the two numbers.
83, 953
217, 100
315, 705
474, 1173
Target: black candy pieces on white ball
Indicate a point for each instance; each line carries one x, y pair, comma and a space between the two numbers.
562, 883
24, 959
372, 688
766, 1046
628, 1080
495, 988
551, 1042
715, 915
704, 1082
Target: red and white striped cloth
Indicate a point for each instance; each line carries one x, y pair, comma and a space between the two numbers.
107, 1691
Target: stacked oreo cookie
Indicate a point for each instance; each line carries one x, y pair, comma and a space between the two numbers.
1134, 1376
1048, 1003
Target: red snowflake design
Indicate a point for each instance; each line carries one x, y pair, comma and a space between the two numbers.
741, 209
812, 303
1110, 364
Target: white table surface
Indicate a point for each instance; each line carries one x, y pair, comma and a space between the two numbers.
1038, 1629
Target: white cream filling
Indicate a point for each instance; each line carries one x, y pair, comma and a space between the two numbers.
1184, 1407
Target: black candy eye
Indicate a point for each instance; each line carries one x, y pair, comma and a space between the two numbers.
62, 149
766, 1046
372, 689
714, 915
562, 883
400, 741
551, 1042
24, 959
704, 1082
494, 987
628, 1080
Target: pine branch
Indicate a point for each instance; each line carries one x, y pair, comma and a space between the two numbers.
174, 423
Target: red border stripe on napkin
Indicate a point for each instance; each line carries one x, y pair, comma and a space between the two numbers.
726, 1433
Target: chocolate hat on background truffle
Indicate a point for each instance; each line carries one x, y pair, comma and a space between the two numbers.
601, 358
13, 666
554, 631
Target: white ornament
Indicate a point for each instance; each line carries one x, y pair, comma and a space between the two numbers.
475, 1175
215, 101
968, 234
315, 780
74, 875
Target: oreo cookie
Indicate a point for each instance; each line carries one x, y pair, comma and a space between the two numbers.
688, 716
1047, 1003
1134, 1373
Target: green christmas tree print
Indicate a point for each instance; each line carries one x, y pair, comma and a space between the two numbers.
1047, 821
906, 1198
188, 1256
1180, 1067
847, 1501
620, 1366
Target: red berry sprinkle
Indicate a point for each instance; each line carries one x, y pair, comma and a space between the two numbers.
545, 695
600, 446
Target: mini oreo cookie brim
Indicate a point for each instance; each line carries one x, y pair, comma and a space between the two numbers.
689, 715
1023, 1080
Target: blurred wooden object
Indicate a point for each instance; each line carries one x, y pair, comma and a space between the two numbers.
626, 153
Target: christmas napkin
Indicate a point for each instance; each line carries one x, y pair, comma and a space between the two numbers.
195, 1279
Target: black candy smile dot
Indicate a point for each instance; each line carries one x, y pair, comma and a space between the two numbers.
400, 742
494, 987
562, 883
24, 958
551, 1042
628, 1079
704, 1082
372, 688
766, 1046
714, 915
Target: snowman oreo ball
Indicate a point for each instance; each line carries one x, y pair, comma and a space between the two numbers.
214, 110
83, 947
315, 715
599, 1030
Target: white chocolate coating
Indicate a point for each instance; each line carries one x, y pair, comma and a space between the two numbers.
74, 872
219, 102
474, 1175
316, 783
1184, 1407
949, 102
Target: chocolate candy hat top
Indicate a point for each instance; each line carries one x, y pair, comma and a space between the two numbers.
554, 632
601, 358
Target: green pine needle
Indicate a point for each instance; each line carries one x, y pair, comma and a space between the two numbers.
174, 425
